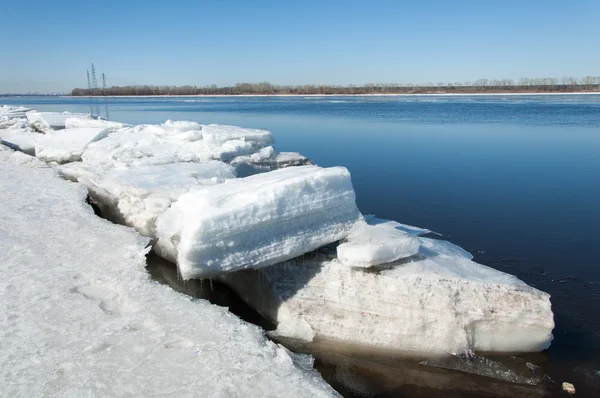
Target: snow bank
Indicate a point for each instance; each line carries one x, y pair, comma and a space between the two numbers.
135, 197
369, 245
434, 303
257, 221
48, 121
62, 146
80, 316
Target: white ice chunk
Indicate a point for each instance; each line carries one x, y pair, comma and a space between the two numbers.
81, 317
219, 134
370, 245
257, 221
267, 159
73, 123
172, 142
67, 145
20, 139
432, 304
135, 197
14, 111
48, 121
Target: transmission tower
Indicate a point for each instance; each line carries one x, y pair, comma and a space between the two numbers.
103, 81
94, 81
88, 75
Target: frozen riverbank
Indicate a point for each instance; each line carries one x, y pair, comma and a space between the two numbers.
82, 318
161, 179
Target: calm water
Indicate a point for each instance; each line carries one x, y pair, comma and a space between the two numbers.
515, 179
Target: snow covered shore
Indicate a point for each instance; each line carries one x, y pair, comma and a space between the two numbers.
190, 189
80, 316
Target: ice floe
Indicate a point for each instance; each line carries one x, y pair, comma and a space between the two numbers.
436, 302
136, 196
67, 145
80, 316
257, 221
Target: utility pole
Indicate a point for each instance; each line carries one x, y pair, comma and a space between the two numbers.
94, 81
103, 81
88, 76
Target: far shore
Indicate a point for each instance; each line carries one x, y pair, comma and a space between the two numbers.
340, 95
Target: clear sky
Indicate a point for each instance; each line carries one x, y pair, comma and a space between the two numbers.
48, 45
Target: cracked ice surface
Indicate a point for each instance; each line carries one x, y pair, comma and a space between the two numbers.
80, 316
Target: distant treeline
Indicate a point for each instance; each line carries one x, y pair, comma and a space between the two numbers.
524, 85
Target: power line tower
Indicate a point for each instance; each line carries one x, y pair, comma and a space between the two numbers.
103, 81
94, 81
88, 75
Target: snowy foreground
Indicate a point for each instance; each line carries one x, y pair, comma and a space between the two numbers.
220, 201
80, 316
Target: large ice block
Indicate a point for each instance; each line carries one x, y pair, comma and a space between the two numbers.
136, 196
437, 302
257, 221
62, 146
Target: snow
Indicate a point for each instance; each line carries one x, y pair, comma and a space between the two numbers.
257, 221
437, 302
135, 197
80, 316
62, 146
370, 245
47, 121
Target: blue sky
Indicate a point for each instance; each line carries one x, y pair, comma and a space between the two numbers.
48, 45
